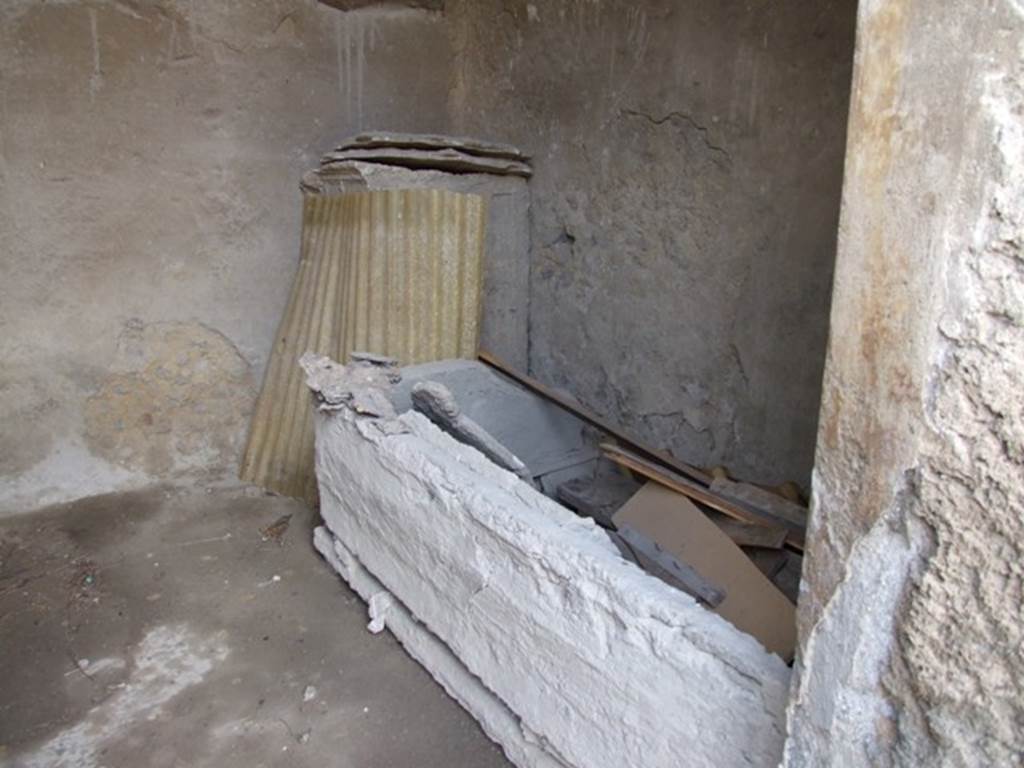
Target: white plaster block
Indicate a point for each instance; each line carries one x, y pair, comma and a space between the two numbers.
600, 663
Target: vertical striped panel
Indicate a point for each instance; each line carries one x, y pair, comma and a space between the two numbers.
395, 272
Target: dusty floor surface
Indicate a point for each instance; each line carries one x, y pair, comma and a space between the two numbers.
171, 628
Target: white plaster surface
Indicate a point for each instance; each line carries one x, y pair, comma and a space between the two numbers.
497, 720
604, 664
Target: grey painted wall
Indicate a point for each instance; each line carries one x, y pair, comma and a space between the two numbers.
910, 620
688, 164
149, 215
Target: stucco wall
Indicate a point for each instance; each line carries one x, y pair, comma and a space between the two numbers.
911, 633
688, 161
149, 215
688, 165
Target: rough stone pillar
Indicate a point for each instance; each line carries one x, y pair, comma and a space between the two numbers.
910, 620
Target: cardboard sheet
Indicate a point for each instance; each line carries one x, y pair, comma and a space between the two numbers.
752, 603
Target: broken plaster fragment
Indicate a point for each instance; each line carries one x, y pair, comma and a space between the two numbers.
361, 385
379, 605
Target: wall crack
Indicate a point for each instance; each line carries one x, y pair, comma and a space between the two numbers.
701, 130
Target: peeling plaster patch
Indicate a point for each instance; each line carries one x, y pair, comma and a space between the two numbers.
169, 660
179, 399
840, 698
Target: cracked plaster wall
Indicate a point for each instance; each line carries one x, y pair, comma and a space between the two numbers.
910, 619
150, 154
688, 162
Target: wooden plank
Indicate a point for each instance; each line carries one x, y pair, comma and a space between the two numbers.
752, 603
679, 484
745, 493
594, 420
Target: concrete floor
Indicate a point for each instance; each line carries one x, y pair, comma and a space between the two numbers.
172, 628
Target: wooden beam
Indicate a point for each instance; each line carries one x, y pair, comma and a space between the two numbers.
591, 418
745, 493
676, 482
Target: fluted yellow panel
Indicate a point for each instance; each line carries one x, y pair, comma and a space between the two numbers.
395, 272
